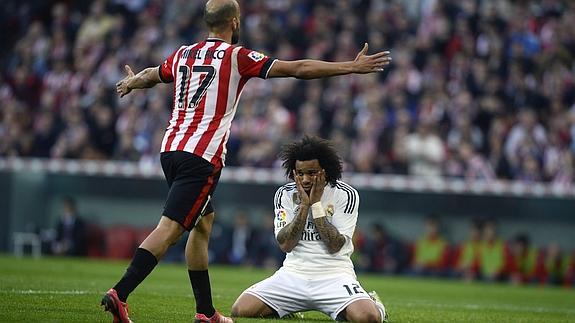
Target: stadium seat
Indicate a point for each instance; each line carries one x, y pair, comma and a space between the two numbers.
142, 234
95, 242
120, 242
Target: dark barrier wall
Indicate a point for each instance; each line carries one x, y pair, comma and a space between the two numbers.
31, 200
4, 209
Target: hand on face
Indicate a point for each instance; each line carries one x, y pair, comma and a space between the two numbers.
304, 198
318, 184
314, 190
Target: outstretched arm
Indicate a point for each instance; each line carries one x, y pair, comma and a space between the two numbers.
311, 69
145, 79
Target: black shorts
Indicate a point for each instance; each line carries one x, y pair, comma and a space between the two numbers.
192, 181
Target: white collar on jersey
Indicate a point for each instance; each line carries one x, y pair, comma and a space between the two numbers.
214, 38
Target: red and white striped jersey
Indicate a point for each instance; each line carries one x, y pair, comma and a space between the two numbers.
208, 77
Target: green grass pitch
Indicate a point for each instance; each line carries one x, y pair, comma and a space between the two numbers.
69, 290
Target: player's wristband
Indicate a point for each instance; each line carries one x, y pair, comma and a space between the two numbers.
317, 210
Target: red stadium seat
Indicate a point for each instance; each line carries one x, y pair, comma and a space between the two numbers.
142, 234
95, 243
569, 271
120, 242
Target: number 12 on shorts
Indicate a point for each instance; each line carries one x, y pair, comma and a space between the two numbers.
353, 289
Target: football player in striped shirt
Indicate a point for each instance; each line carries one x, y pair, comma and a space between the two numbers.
208, 78
315, 217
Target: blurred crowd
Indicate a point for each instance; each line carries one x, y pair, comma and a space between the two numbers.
246, 240
483, 255
478, 89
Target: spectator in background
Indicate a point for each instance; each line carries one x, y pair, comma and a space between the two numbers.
571, 116
569, 269
70, 231
523, 260
386, 253
555, 160
493, 254
464, 132
526, 141
360, 256
220, 242
467, 261
95, 26
496, 154
431, 252
265, 250
425, 151
550, 265
565, 174
470, 68
529, 169
242, 239
476, 167
391, 143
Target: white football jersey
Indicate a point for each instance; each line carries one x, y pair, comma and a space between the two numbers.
310, 256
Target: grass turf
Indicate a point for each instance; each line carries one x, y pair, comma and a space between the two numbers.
69, 290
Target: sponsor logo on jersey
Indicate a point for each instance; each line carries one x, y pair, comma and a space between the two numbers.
256, 56
281, 215
310, 235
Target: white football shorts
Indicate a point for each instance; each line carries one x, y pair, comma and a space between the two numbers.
287, 292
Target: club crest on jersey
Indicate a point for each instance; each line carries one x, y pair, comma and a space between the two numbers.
329, 210
295, 198
256, 56
281, 215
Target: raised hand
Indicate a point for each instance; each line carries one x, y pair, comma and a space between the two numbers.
317, 187
301, 191
364, 63
122, 87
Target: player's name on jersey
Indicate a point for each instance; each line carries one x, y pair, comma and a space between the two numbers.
204, 53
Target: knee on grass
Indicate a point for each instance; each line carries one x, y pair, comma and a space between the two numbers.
364, 317
239, 311
244, 308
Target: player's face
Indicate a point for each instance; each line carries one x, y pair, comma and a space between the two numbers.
306, 170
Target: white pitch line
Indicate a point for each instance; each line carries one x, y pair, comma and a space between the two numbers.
45, 292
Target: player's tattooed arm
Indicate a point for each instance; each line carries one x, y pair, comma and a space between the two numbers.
329, 234
289, 236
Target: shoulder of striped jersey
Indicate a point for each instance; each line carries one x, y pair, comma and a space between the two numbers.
349, 193
256, 56
284, 189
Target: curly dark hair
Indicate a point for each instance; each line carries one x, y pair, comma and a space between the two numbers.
309, 148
